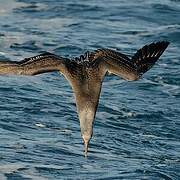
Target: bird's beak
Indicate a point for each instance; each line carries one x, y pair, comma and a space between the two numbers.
85, 148
86, 140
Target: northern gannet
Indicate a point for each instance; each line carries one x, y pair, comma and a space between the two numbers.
86, 73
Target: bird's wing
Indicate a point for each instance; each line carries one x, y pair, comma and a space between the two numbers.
130, 69
42, 63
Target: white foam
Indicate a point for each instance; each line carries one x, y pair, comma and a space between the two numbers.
8, 6
40, 125
2, 53
9, 168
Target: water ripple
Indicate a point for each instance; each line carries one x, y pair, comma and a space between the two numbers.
136, 130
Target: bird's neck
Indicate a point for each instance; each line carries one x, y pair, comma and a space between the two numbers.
87, 98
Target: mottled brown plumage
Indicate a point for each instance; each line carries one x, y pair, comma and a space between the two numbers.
86, 73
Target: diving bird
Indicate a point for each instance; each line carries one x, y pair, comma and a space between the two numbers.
86, 73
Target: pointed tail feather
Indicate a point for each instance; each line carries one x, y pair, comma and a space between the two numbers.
147, 56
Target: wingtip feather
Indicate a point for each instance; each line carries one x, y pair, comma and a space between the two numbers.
147, 56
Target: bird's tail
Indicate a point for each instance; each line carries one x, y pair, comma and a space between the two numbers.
146, 57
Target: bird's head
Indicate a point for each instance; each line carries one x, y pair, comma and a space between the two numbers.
86, 118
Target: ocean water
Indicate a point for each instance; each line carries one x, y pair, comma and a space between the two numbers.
137, 126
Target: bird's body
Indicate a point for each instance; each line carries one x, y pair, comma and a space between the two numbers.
86, 73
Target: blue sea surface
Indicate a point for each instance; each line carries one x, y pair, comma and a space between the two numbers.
137, 126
